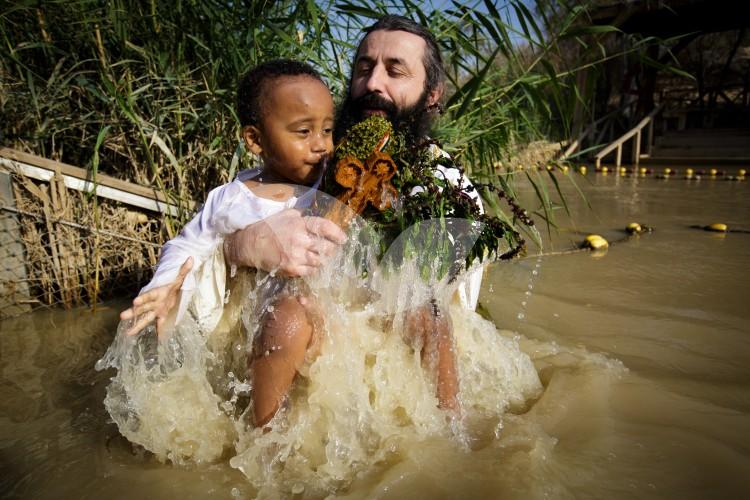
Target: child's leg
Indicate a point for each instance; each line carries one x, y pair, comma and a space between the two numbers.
278, 354
429, 327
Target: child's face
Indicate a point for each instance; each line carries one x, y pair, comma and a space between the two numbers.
296, 128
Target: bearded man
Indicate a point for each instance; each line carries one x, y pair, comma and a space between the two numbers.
397, 73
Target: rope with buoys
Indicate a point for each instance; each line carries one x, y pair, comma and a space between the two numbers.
719, 227
598, 245
668, 172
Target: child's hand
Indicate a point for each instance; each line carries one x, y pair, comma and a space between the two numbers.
156, 304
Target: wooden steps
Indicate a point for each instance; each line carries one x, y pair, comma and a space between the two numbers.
701, 147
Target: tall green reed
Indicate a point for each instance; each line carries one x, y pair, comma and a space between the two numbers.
160, 77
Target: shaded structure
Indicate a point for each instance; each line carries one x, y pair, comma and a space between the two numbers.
695, 80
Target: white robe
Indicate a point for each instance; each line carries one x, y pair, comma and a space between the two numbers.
232, 207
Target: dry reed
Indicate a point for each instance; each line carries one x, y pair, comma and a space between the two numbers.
68, 260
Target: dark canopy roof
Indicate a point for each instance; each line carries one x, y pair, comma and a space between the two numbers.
665, 18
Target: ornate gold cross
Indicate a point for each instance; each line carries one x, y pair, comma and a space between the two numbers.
366, 184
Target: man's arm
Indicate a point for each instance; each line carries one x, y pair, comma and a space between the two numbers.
286, 242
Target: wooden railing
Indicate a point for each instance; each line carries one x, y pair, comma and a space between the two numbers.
79, 179
635, 133
592, 128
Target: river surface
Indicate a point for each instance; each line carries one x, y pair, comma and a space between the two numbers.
643, 352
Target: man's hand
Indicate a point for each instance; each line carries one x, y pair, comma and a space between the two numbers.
288, 242
156, 304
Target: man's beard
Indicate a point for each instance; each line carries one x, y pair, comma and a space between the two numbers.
414, 122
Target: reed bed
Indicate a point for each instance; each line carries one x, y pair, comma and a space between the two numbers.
69, 258
144, 91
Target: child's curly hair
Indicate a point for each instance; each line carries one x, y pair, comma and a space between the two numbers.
254, 84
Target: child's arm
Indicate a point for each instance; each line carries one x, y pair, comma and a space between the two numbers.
157, 304
163, 298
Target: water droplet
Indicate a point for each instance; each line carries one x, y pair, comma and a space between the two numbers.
531, 286
535, 272
521, 315
527, 293
523, 303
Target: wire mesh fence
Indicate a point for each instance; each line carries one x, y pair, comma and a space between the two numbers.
61, 247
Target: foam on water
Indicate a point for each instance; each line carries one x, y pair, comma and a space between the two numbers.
355, 406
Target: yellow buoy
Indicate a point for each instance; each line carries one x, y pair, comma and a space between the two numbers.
643, 170
623, 170
605, 170
667, 171
634, 228
565, 169
595, 242
582, 170
741, 172
717, 227
713, 172
549, 168
688, 172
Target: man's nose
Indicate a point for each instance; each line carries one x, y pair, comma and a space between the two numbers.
376, 80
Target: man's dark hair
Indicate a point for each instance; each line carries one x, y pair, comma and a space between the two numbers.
415, 122
433, 61
254, 84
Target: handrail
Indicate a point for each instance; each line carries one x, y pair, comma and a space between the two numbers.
635, 131
79, 179
587, 131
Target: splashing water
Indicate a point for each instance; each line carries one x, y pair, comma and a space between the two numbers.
356, 405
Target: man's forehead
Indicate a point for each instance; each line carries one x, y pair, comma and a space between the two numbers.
392, 46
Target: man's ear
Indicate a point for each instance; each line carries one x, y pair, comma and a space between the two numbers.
251, 136
435, 94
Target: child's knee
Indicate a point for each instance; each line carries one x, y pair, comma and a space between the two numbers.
287, 326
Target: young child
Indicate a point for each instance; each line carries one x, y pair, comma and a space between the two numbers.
286, 113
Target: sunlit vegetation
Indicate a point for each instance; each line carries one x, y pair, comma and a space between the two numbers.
144, 90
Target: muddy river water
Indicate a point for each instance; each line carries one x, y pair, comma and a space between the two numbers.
643, 354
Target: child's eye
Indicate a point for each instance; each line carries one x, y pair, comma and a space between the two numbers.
303, 131
328, 131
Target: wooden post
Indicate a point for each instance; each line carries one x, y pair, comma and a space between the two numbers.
618, 158
636, 148
14, 286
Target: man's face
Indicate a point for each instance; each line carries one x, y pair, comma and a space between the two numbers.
389, 74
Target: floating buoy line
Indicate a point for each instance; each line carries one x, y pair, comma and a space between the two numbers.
720, 227
689, 174
598, 245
